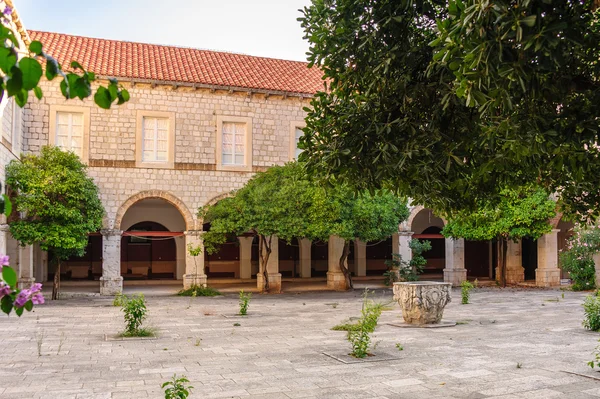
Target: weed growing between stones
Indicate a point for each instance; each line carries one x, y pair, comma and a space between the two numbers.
360, 338
591, 311
177, 388
596, 361
134, 312
399, 346
119, 299
244, 302
346, 327
199, 291
465, 291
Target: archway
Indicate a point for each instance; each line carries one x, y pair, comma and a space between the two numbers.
153, 242
427, 226
225, 263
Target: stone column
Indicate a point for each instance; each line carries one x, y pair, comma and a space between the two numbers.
26, 258
272, 269
246, 257
194, 265
111, 282
360, 257
596, 258
515, 272
4, 232
335, 278
455, 271
401, 245
305, 257
547, 273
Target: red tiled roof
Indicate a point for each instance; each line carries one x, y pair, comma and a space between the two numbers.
113, 58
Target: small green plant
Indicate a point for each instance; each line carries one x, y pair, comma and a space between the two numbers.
399, 346
591, 311
198, 340
119, 299
465, 291
244, 302
577, 258
199, 291
236, 324
360, 339
519, 365
562, 295
401, 270
346, 327
476, 283
177, 388
596, 361
134, 312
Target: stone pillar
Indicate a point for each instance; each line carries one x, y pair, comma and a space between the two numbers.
111, 282
246, 257
596, 258
26, 258
272, 269
4, 232
194, 265
335, 278
515, 272
547, 273
305, 257
360, 258
401, 245
455, 271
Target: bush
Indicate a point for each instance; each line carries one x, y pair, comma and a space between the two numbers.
578, 260
134, 312
591, 311
199, 291
244, 302
400, 270
360, 338
465, 291
177, 388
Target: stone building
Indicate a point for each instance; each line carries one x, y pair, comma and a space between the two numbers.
199, 124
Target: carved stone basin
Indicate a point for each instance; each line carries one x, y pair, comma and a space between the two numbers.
422, 302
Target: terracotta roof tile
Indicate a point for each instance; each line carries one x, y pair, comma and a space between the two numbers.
178, 64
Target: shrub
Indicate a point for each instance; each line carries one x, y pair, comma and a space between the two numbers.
134, 312
578, 260
244, 302
401, 270
465, 291
119, 300
591, 311
199, 291
346, 327
177, 388
360, 338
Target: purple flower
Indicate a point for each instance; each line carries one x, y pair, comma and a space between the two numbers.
8, 11
37, 287
4, 289
22, 298
37, 299
4, 260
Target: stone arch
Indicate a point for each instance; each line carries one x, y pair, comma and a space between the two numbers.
218, 198
556, 220
407, 225
165, 195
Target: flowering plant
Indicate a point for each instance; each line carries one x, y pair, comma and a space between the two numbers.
13, 298
577, 258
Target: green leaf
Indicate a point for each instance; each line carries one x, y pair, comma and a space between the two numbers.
51, 68
35, 47
15, 82
8, 59
102, 98
19, 311
37, 90
9, 276
32, 72
21, 97
114, 91
529, 21
77, 65
7, 205
6, 304
28, 306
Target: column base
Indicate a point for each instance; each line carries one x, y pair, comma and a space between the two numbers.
24, 283
191, 280
336, 281
547, 277
513, 276
111, 285
455, 276
274, 283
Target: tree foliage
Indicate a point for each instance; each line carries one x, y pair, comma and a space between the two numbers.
520, 214
449, 102
58, 203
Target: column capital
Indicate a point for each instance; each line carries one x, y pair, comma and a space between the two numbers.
555, 231
111, 232
406, 233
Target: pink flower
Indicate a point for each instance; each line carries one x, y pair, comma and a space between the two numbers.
37, 299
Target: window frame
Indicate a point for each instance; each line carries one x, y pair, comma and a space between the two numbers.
248, 161
85, 145
293, 146
139, 146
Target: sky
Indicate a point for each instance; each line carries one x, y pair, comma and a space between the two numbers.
265, 28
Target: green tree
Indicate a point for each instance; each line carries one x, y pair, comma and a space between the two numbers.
520, 213
58, 204
449, 102
338, 211
272, 203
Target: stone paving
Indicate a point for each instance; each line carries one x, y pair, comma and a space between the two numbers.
511, 343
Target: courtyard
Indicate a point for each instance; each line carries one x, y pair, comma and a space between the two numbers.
508, 343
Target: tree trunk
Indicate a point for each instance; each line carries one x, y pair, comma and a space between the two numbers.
504, 247
264, 252
56, 285
343, 267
